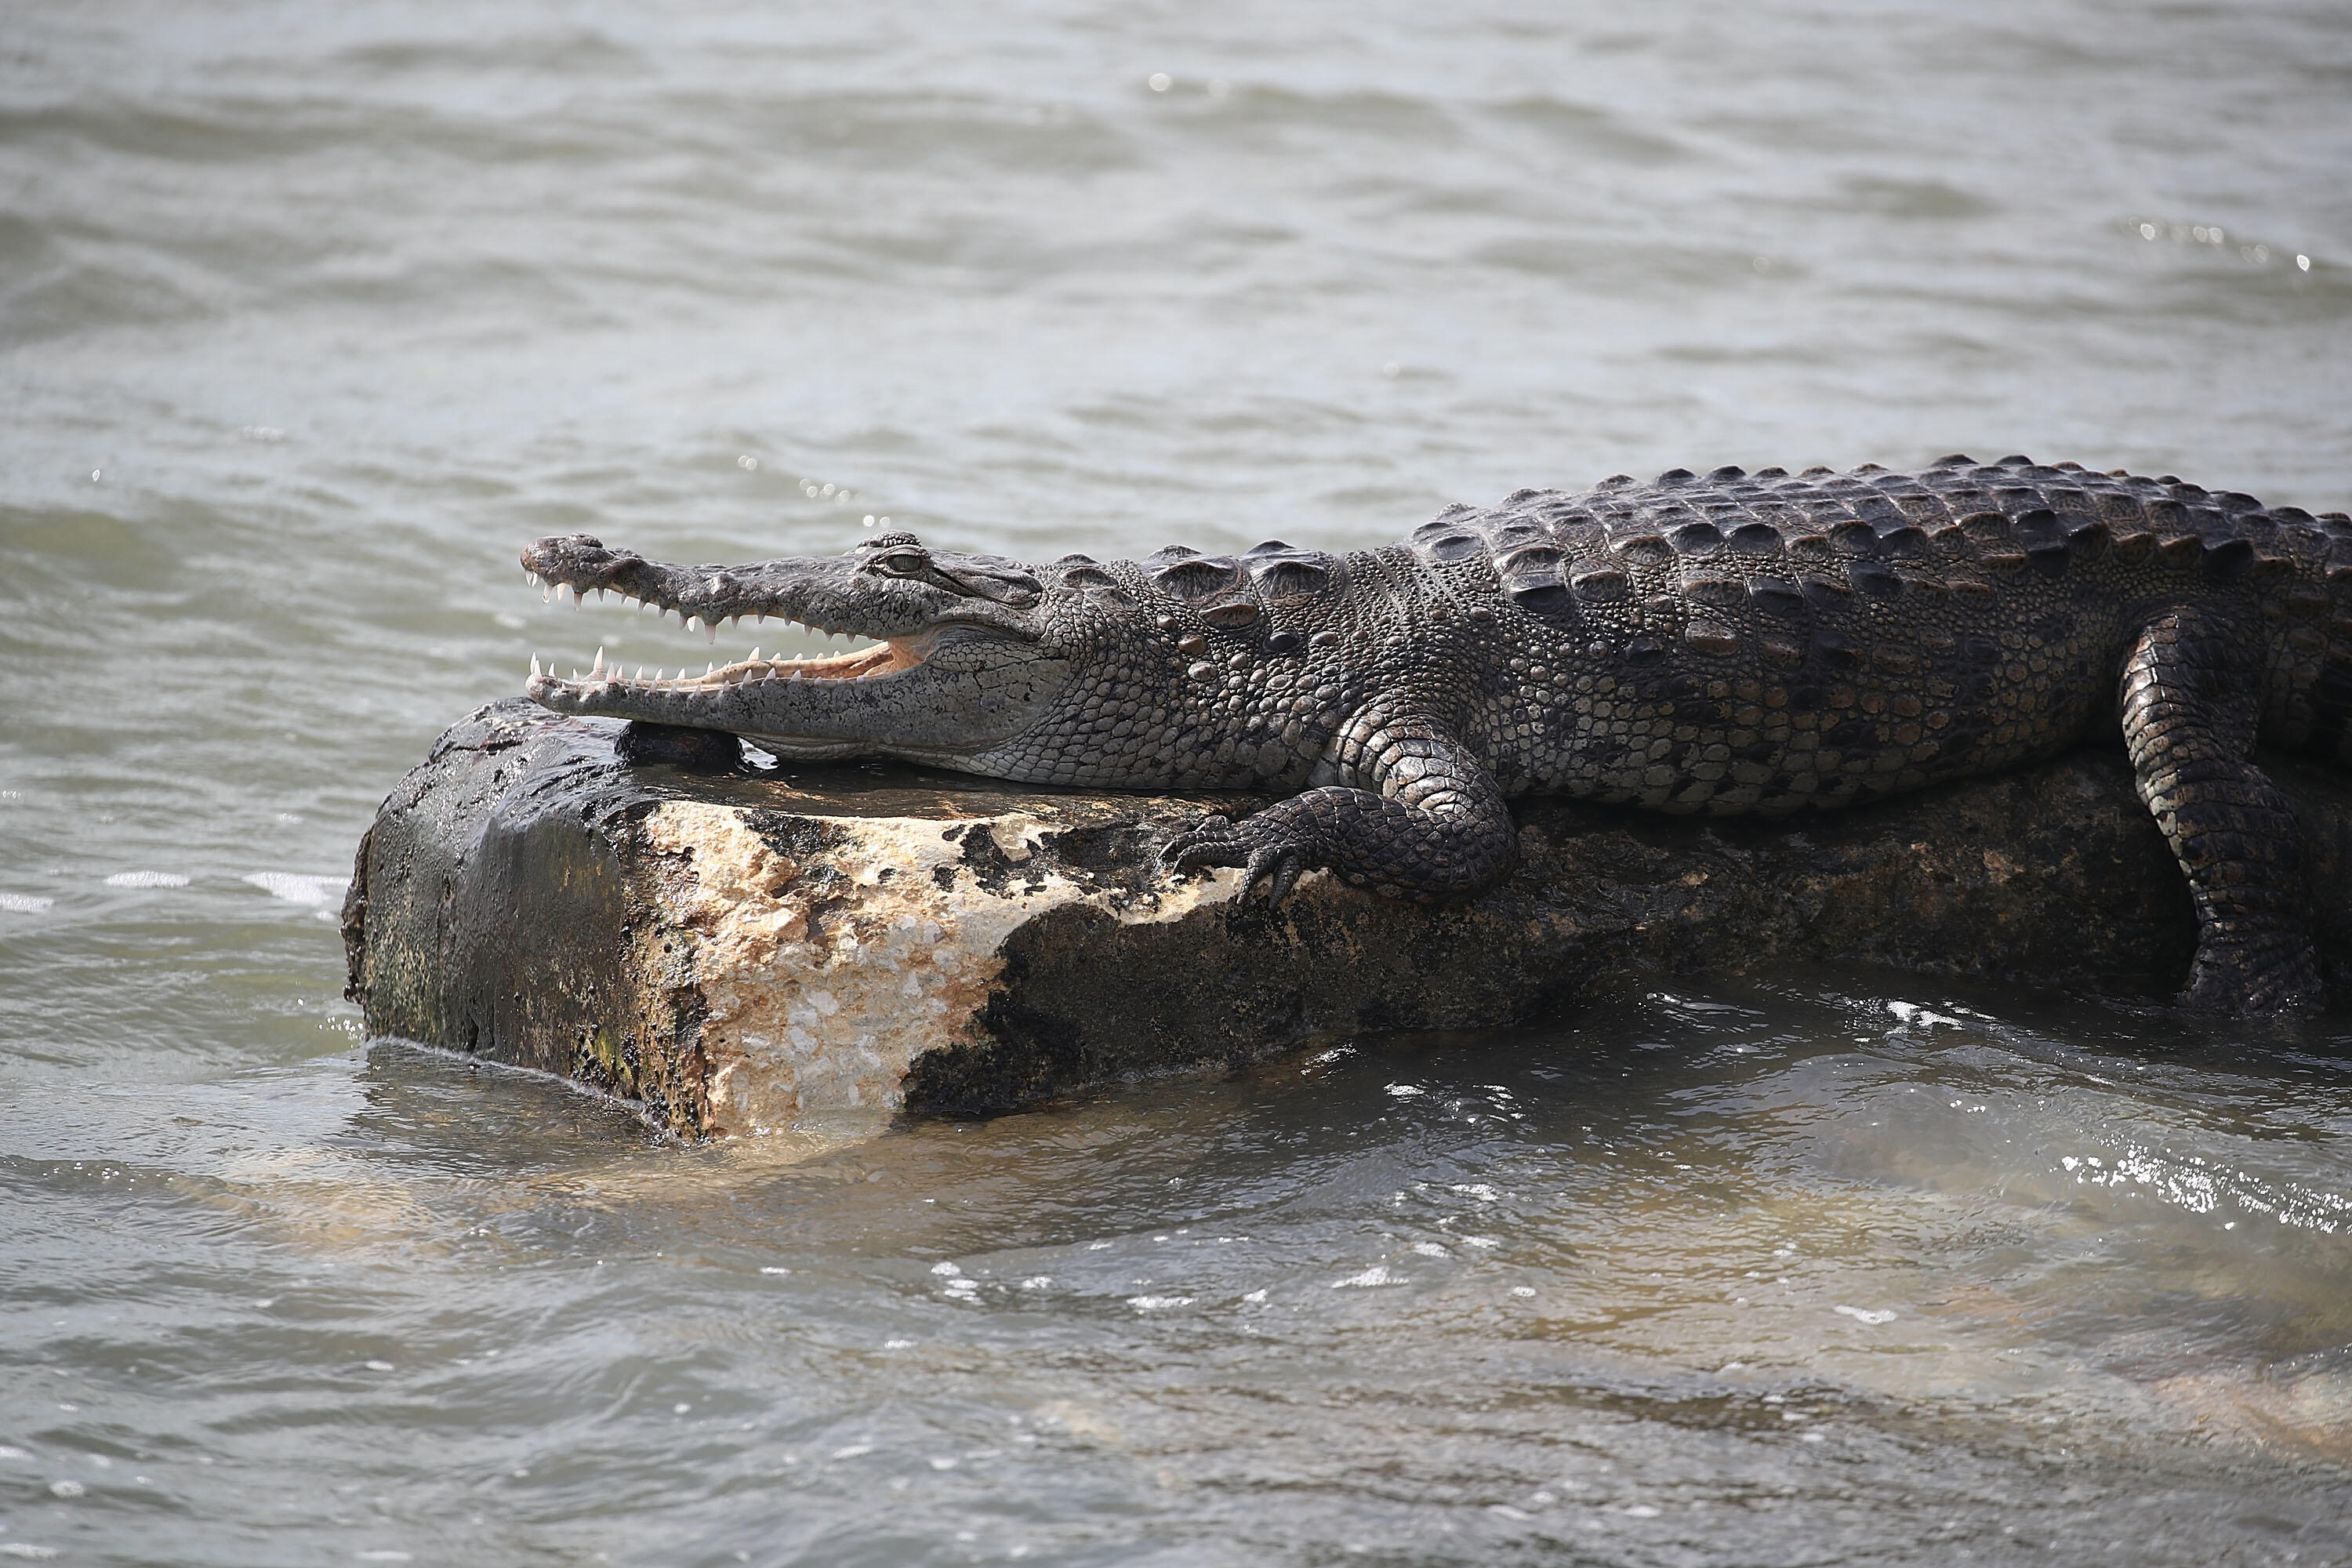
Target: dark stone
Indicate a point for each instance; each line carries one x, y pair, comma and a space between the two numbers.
695, 751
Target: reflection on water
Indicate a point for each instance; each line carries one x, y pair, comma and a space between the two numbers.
1822, 1273
310, 315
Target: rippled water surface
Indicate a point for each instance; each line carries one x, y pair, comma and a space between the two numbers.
310, 315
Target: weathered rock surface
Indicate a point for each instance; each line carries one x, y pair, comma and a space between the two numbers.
746, 950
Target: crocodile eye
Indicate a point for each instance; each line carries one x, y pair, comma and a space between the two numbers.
903, 563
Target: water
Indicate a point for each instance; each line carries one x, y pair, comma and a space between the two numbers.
309, 316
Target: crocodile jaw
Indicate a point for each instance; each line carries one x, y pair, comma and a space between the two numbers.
946, 678
905, 697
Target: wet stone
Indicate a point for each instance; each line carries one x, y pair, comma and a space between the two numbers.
743, 949
695, 751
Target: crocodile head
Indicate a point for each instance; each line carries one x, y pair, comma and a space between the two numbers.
959, 657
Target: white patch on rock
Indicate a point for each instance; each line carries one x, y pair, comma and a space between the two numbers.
906, 952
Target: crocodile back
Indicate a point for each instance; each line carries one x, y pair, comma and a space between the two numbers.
1932, 624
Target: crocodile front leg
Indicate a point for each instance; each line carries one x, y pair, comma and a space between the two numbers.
1433, 826
2189, 694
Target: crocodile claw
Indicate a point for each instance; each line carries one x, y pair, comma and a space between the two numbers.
1216, 841
1279, 865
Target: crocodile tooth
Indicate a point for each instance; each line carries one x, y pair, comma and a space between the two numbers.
599, 669
546, 593
534, 664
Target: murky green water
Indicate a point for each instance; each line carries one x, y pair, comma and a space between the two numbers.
309, 316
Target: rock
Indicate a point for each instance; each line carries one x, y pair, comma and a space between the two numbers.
747, 949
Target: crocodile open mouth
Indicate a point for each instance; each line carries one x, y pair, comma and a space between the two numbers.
875, 661
864, 664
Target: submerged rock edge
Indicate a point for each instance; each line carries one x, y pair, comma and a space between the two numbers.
747, 953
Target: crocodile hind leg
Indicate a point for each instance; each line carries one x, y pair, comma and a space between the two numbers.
1437, 827
2191, 695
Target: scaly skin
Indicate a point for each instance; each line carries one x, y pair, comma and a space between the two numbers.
1727, 643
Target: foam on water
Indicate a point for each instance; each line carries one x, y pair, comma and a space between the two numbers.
296, 888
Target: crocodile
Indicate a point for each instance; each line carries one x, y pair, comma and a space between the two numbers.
1727, 642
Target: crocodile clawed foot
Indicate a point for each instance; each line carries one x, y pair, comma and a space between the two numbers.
2239, 978
1277, 866
1218, 841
